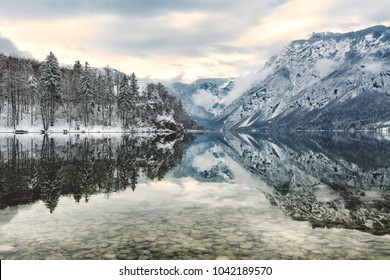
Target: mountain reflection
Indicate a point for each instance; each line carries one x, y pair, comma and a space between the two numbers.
330, 180
46, 168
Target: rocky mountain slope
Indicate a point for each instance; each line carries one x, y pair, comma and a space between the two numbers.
203, 99
330, 81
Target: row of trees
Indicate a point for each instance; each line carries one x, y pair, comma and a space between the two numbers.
82, 96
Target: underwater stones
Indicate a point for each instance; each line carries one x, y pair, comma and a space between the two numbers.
138, 239
246, 245
7, 249
234, 239
89, 256
110, 256
223, 258
103, 245
199, 248
56, 257
78, 256
219, 241
228, 229
144, 257
186, 257
150, 238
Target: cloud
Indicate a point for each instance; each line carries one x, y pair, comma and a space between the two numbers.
204, 162
325, 66
241, 84
204, 98
7, 47
127, 8
162, 39
375, 67
360, 10
165, 39
145, 28
245, 82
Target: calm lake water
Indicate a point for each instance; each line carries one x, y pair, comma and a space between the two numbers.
209, 196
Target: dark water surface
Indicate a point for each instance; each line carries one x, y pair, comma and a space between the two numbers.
212, 196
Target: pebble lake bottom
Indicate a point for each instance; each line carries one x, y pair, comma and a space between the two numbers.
214, 202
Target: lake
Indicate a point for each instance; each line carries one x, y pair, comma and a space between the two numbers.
195, 196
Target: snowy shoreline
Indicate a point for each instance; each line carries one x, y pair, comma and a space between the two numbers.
87, 131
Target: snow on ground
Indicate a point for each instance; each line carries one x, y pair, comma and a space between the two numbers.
167, 118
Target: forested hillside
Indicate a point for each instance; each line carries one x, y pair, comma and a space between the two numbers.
46, 96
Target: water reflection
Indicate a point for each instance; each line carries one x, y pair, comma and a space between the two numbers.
45, 168
331, 180
230, 196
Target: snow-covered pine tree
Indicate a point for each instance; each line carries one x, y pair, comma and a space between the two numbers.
77, 69
134, 98
124, 101
50, 85
108, 97
2, 81
87, 95
77, 72
75, 95
33, 84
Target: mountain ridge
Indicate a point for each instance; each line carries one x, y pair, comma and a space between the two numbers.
331, 81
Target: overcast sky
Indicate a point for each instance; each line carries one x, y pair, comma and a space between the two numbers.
175, 39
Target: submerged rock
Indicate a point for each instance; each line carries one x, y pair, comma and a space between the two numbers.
222, 258
7, 249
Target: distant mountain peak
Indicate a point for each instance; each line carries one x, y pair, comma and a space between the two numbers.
204, 98
376, 30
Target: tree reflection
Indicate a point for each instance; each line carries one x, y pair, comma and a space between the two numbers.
49, 179
81, 167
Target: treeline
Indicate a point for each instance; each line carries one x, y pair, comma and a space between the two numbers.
79, 96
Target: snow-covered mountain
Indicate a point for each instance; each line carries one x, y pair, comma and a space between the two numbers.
330, 81
203, 99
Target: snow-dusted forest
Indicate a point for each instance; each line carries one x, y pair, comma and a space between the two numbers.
46, 96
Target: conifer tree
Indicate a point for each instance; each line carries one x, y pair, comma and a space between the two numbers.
33, 84
124, 101
108, 96
87, 96
50, 81
134, 98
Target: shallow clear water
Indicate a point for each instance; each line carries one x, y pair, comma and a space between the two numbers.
195, 197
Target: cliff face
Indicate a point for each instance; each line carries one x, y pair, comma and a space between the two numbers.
331, 81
